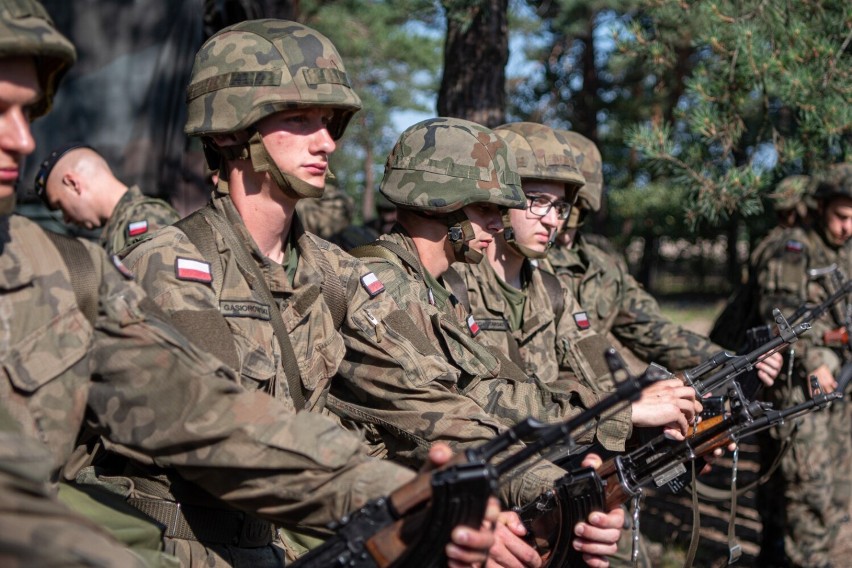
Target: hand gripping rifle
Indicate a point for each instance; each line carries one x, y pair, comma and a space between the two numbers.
623, 477
411, 526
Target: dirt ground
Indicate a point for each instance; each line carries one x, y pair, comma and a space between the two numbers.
666, 520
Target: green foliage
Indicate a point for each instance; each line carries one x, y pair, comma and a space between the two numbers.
392, 57
768, 95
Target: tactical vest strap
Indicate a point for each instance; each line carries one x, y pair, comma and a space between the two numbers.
332, 288
456, 285
554, 292
84, 279
201, 234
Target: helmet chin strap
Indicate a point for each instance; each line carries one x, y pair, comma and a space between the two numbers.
7, 205
509, 237
460, 232
289, 184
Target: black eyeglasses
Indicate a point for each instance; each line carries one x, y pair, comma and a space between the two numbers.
540, 206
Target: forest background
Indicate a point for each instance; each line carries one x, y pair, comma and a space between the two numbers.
699, 106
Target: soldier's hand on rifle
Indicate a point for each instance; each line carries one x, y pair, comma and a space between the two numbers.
825, 378
769, 369
469, 546
598, 536
510, 550
669, 404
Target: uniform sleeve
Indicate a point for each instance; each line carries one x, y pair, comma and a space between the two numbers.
395, 378
641, 326
177, 278
157, 399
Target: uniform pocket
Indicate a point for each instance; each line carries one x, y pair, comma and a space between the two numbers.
47, 353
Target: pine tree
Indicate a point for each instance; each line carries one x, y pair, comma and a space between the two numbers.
767, 94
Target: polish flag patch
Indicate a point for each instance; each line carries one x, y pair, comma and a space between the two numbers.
372, 284
582, 320
195, 270
794, 246
472, 325
136, 228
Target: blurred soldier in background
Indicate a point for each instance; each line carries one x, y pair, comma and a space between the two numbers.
78, 180
331, 216
817, 469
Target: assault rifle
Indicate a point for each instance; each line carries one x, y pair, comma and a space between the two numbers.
551, 518
411, 526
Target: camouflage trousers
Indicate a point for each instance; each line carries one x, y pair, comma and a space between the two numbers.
817, 476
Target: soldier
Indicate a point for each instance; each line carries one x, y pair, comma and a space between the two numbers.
449, 179
526, 312
612, 299
78, 180
790, 201
82, 340
816, 469
243, 280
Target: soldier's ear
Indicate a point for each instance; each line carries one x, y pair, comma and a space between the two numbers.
71, 182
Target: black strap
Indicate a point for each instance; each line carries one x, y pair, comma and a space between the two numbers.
81, 269
333, 291
250, 269
554, 291
456, 285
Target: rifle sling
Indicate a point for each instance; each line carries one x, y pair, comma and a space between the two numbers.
250, 269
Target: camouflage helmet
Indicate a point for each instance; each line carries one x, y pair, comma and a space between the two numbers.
541, 152
837, 182
440, 165
789, 193
443, 164
591, 165
256, 68
26, 29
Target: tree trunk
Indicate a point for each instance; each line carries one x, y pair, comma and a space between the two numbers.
368, 203
476, 52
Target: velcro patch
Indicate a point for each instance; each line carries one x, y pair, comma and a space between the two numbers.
372, 284
472, 325
194, 270
794, 246
136, 228
582, 320
121, 268
244, 309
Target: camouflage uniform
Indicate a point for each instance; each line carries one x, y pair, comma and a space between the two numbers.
95, 347
155, 393
557, 349
438, 166
135, 216
329, 303
616, 303
817, 470
487, 377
